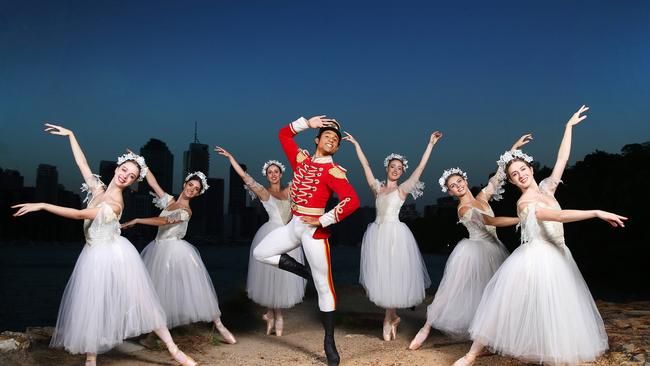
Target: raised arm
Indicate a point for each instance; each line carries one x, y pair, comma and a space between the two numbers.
255, 187
412, 181
79, 156
287, 133
479, 217
370, 178
494, 188
565, 145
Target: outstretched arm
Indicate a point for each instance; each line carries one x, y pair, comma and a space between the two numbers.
151, 221
545, 214
67, 212
493, 189
370, 178
257, 188
500, 221
79, 156
405, 187
565, 145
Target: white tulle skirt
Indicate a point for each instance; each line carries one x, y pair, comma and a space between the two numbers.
270, 286
108, 298
392, 269
469, 268
537, 307
182, 282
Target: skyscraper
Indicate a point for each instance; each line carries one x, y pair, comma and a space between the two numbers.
47, 183
161, 162
107, 170
197, 157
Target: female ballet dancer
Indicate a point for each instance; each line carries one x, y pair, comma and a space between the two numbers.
267, 285
392, 269
181, 280
537, 306
473, 261
109, 296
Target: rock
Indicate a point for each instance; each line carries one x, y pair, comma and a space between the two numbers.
128, 347
39, 334
13, 341
640, 358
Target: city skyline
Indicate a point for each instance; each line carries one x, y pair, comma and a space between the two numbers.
391, 73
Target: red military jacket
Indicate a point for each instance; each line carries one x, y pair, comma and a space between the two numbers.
314, 181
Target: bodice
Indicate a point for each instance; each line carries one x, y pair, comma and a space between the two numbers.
279, 210
473, 221
388, 206
104, 227
176, 230
532, 229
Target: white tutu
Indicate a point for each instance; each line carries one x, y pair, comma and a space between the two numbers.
537, 307
469, 268
182, 282
109, 296
392, 269
267, 285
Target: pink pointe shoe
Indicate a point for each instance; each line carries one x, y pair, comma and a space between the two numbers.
393, 327
279, 326
269, 323
181, 357
463, 361
422, 335
225, 333
386, 330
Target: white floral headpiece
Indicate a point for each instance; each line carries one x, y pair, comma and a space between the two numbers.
272, 162
508, 156
204, 180
446, 174
136, 159
393, 156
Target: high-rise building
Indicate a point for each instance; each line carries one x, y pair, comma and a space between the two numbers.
197, 157
214, 201
47, 183
11, 179
107, 170
161, 162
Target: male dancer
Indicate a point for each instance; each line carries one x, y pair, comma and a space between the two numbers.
315, 178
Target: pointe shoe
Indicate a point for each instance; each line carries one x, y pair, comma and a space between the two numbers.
225, 333
393, 327
422, 335
279, 326
462, 362
181, 357
386, 330
269, 323
91, 361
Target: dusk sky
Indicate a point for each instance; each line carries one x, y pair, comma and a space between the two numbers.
120, 72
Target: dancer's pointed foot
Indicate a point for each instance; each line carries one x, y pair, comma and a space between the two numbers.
270, 321
91, 360
225, 333
393, 327
279, 326
386, 330
463, 361
181, 357
422, 335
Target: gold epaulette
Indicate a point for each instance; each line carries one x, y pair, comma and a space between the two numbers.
338, 172
302, 155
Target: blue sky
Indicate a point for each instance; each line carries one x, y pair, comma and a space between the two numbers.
121, 72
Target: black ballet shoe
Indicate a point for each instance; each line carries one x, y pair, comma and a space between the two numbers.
289, 264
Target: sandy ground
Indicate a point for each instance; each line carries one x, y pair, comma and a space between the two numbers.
358, 337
